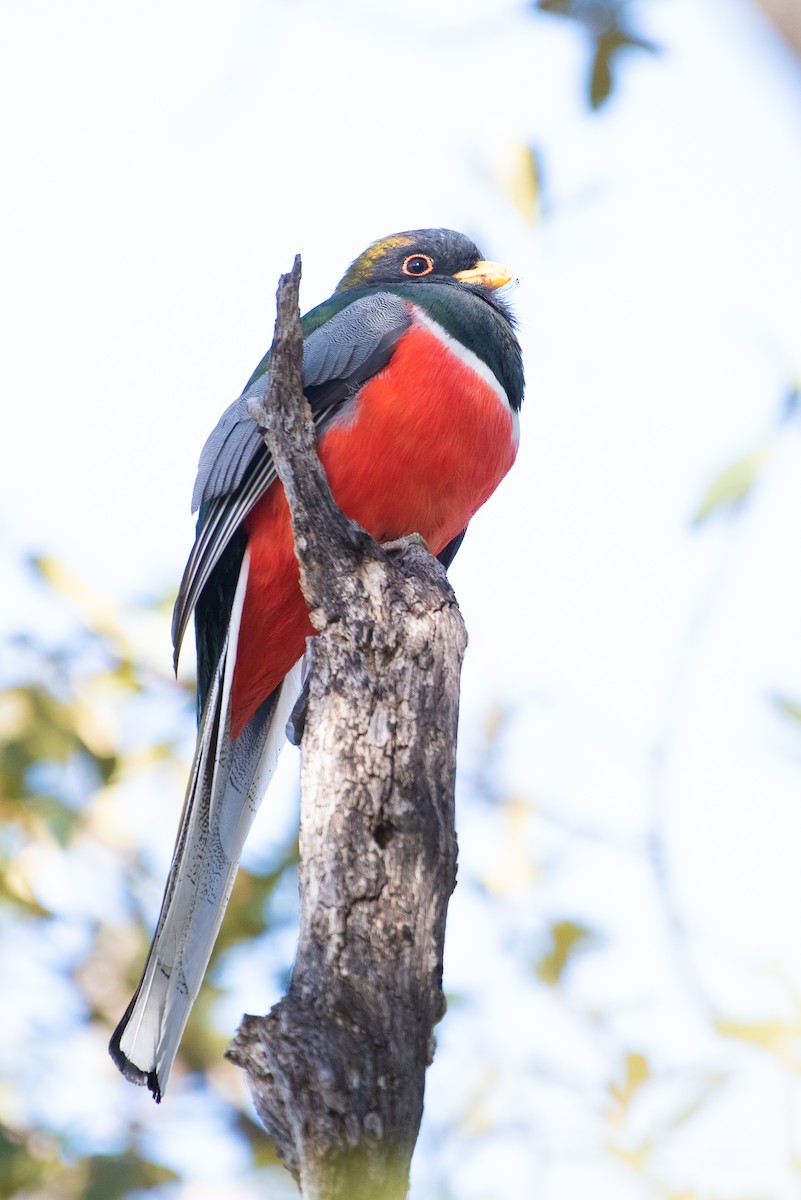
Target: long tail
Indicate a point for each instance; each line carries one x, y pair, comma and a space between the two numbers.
226, 785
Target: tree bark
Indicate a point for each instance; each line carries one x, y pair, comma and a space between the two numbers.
337, 1067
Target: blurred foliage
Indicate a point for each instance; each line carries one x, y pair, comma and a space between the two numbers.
736, 482
82, 759
91, 726
733, 485
605, 24
636, 1073
789, 708
30, 1165
653, 1103
521, 179
567, 937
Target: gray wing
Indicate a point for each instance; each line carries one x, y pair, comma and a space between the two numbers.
235, 468
337, 357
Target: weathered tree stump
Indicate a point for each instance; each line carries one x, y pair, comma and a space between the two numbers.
337, 1067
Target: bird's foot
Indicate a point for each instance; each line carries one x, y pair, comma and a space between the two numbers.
399, 544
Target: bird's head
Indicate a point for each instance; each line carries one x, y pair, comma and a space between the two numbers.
427, 255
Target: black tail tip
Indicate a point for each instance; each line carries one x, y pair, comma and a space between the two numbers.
132, 1073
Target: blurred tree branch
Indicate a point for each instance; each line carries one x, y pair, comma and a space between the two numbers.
337, 1068
786, 16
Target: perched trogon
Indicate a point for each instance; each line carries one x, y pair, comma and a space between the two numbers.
415, 380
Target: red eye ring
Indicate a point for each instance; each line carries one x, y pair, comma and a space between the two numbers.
417, 265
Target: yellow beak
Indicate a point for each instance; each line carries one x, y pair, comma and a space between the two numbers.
487, 274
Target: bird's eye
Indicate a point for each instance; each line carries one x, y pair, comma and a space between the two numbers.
418, 264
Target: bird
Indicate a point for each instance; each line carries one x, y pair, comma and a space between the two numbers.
414, 376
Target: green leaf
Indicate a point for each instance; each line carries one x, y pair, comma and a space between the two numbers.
112, 1177
20, 1169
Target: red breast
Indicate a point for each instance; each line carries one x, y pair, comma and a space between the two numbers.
420, 448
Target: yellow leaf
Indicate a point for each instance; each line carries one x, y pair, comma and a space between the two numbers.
778, 1037
514, 168
732, 486
15, 714
636, 1157
566, 938
523, 183
637, 1072
514, 870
